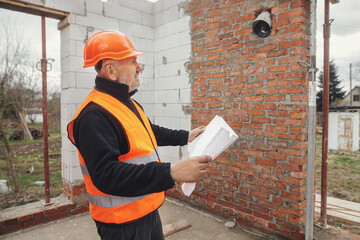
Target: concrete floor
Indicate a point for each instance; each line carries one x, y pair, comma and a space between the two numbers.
81, 226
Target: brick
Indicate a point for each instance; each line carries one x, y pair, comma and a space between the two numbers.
25, 218
260, 195
278, 83
292, 13
266, 162
34, 222
292, 181
257, 56
292, 90
11, 221
254, 98
279, 68
265, 91
10, 228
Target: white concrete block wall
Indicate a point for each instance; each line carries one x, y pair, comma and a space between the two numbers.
172, 86
160, 30
134, 18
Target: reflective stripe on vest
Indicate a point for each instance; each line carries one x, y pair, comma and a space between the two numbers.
114, 201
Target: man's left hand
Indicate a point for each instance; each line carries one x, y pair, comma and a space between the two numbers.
195, 132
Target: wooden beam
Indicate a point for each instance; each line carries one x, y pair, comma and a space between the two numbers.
32, 9
174, 227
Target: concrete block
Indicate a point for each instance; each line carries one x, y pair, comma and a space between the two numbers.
167, 42
178, 54
147, 19
167, 96
143, 44
166, 16
97, 21
185, 95
176, 26
144, 96
71, 95
122, 13
149, 110
68, 150
169, 122
85, 80
172, 3
79, 48
173, 110
147, 83
71, 173
78, 32
177, 82
147, 72
137, 30
185, 38
140, 5
185, 123
72, 64
94, 6
159, 109
159, 83
170, 69
169, 154
67, 48
67, 113
67, 80
77, 7
158, 32
147, 59
158, 6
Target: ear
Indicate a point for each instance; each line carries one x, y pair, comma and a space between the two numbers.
111, 72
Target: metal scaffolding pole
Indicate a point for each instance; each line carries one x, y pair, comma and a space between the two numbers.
325, 142
45, 112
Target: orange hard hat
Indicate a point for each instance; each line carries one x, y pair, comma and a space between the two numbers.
108, 44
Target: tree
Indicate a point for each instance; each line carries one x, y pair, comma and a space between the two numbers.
14, 66
335, 91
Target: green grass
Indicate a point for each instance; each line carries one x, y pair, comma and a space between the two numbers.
23, 162
343, 173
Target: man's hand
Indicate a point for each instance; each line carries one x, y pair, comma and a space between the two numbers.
195, 132
190, 169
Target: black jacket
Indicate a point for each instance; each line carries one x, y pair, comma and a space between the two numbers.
101, 140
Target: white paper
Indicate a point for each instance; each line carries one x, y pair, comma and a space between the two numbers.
213, 141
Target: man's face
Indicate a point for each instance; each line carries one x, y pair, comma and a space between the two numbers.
126, 72
129, 70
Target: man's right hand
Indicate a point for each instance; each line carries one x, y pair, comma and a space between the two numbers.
190, 169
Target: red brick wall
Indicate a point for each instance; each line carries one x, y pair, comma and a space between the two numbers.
256, 85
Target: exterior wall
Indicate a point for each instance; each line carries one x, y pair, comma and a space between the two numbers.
346, 100
221, 69
130, 17
256, 85
165, 40
172, 88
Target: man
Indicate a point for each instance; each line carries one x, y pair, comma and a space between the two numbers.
117, 146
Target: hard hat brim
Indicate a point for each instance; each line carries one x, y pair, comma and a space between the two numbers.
116, 56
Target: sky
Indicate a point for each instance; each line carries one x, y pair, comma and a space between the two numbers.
344, 40
30, 26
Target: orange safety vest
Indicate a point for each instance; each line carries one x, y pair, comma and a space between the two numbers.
143, 149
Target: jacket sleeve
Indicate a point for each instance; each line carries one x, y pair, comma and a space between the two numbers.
98, 139
170, 137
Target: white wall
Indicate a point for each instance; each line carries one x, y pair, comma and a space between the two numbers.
344, 131
172, 87
160, 30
